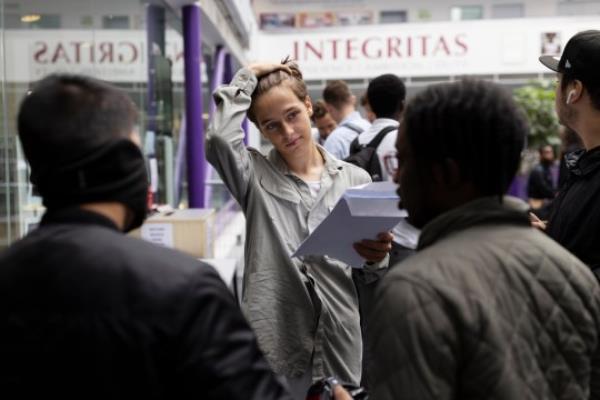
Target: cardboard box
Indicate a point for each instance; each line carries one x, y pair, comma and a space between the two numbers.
190, 230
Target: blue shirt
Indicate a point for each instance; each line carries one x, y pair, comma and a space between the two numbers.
338, 143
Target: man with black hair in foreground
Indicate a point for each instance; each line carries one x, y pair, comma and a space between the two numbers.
488, 307
87, 312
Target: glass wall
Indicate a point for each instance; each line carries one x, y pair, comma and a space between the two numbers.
108, 40
5, 222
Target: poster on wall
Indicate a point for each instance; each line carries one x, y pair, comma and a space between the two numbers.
316, 19
551, 44
348, 18
277, 20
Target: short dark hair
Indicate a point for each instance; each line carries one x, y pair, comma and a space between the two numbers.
65, 117
319, 110
364, 100
337, 93
475, 123
386, 95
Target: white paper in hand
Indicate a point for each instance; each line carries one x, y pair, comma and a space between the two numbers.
361, 213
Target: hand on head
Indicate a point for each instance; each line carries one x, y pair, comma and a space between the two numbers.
263, 68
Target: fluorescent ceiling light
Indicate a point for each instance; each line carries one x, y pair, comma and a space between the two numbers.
31, 17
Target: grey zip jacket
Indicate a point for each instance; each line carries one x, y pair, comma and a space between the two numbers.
300, 309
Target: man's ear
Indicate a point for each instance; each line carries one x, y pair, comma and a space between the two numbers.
577, 91
446, 173
330, 109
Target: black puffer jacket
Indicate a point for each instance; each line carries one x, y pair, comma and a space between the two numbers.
575, 218
86, 312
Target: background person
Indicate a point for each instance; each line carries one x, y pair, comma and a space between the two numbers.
304, 311
385, 98
386, 95
542, 184
340, 103
323, 122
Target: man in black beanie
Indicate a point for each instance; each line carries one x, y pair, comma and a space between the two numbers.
87, 312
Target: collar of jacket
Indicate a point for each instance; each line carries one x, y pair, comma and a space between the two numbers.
354, 115
76, 215
332, 164
583, 162
482, 211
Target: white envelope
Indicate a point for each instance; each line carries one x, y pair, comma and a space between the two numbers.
361, 213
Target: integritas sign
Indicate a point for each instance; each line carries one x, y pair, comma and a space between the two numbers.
358, 52
113, 55
423, 49
378, 47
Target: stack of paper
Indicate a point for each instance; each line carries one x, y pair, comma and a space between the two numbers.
361, 213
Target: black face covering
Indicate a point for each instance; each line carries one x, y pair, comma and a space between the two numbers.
114, 172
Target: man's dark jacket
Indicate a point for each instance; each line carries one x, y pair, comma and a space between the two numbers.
540, 184
88, 313
575, 218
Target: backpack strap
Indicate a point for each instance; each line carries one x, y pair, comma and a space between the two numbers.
353, 127
355, 147
382, 133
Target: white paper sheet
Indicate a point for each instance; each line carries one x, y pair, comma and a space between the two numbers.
160, 234
361, 213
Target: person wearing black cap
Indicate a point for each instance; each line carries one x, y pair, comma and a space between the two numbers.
575, 218
87, 312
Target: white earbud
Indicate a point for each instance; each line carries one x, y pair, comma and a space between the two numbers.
569, 96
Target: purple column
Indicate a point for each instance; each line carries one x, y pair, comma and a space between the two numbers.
228, 69
192, 54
